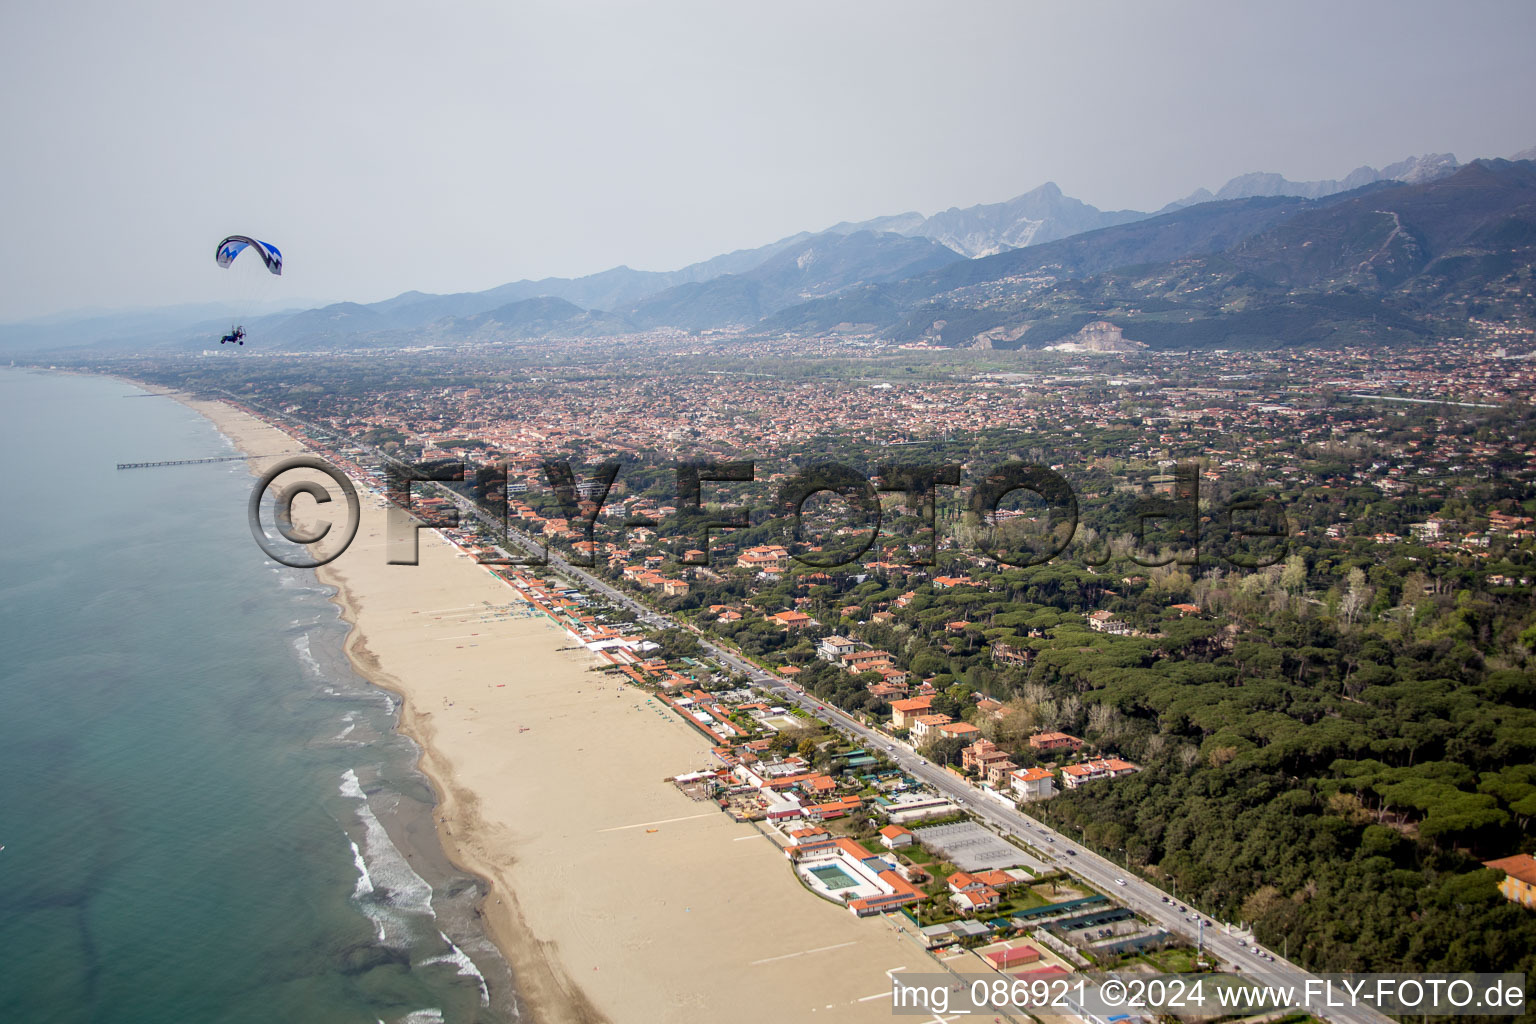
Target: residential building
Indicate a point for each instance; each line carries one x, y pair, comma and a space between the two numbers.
770, 559
904, 711
980, 891
959, 730
1074, 775
834, 647
925, 727
1105, 622
1033, 783
976, 900
997, 773
978, 755
1519, 885
1053, 742
1007, 654
867, 661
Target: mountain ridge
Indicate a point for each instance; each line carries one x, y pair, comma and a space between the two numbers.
857, 272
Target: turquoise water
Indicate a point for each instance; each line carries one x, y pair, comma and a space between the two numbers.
206, 816
833, 877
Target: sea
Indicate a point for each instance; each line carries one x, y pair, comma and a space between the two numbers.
206, 814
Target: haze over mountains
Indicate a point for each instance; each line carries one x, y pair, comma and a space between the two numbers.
1040, 215
1018, 273
1414, 170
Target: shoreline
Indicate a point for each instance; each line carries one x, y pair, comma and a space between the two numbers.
533, 976
612, 896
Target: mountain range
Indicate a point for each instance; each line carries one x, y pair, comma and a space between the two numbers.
1387, 262
1027, 270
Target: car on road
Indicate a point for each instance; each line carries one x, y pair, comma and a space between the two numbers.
1071, 853
1119, 881
1165, 899
1255, 949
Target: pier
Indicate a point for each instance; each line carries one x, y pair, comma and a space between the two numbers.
191, 462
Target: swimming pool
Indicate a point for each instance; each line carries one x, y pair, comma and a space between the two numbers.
833, 877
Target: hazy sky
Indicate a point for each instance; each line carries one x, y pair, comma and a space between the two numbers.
454, 146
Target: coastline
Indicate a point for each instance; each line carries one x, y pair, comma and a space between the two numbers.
612, 895
535, 983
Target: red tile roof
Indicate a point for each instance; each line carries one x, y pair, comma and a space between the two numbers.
1521, 866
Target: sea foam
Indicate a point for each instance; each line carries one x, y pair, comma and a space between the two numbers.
397, 892
465, 965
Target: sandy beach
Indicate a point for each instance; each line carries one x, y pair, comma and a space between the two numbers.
614, 896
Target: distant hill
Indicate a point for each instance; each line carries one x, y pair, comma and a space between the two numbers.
127, 327
821, 266
1018, 273
537, 317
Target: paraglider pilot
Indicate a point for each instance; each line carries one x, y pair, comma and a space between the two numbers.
225, 254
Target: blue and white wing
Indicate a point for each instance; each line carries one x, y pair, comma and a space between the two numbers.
234, 245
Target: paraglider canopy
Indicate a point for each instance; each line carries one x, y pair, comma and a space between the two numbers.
234, 245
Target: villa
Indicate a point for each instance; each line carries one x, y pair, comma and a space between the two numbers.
981, 891
978, 755
1033, 783
1519, 885
769, 559
959, 730
1074, 775
867, 661
904, 711
1051, 742
834, 647
1105, 622
925, 726
998, 773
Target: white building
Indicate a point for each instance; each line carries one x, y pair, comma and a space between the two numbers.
1033, 783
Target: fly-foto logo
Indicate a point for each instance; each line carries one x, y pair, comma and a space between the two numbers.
1252, 532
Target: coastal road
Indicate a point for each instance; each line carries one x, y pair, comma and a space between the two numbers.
1140, 896
1152, 904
